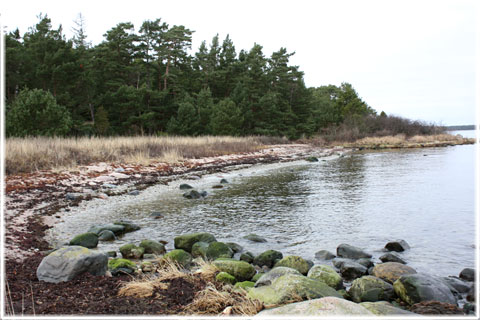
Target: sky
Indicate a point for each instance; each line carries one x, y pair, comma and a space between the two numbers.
415, 59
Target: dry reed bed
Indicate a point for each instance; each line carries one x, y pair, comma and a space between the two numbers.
23, 155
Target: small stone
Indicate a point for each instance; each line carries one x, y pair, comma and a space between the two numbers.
156, 215
106, 235
134, 193
398, 246
255, 238
225, 278
392, 257
185, 186
224, 181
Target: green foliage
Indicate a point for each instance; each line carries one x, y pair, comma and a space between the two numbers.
226, 118
101, 121
36, 113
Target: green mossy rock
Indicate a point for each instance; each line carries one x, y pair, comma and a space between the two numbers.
384, 308
267, 278
186, 241
291, 286
152, 246
247, 257
245, 285
415, 288
371, 289
199, 249
117, 263
294, 262
87, 240
181, 256
257, 276
131, 251
225, 278
106, 235
217, 250
267, 258
255, 238
326, 274
241, 270
235, 247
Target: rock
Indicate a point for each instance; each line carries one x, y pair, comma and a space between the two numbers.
267, 278
87, 240
156, 215
107, 235
324, 255
392, 257
338, 262
66, 263
236, 248
225, 278
351, 270
149, 256
217, 250
247, 257
469, 308
312, 159
241, 270
294, 262
255, 238
245, 285
367, 263
372, 289
180, 256
114, 264
134, 193
435, 307
116, 229
186, 241
391, 271
326, 274
414, 288
128, 225
267, 258
398, 246
467, 274
471, 294
152, 246
217, 186
147, 267
199, 249
456, 285
185, 186
291, 286
224, 181
131, 251
203, 193
192, 194
351, 252
74, 196
384, 308
111, 254
258, 276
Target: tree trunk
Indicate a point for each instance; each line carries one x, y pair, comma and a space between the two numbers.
92, 112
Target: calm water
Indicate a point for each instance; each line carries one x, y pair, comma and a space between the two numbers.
424, 196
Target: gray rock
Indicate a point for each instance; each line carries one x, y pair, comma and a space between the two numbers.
338, 262
152, 246
127, 225
324, 255
415, 288
66, 263
267, 278
131, 251
352, 270
372, 289
106, 235
392, 257
367, 263
384, 308
255, 238
467, 274
247, 257
399, 246
224, 181
456, 284
186, 241
134, 193
115, 228
87, 240
236, 248
111, 254
185, 186
74, 196
351, 252
199, 249
192, 194
326, 274
156, 215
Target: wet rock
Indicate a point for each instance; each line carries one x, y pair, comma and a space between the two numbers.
121, 271
111, 254
185, 186
186, 241
203, 193
224, 181
415, 288
398, 246
324, 255
311, 159
225, 278
192, 194
87, 240
467, 274
323, 307
131, 251
241, 270
116, 229
66, 263
371, 289
351, 252
217, 250
456, 284
351, 270
392, 257
255, 238
128, 225
471, 294
134, 193
180, 256
435, 307
338, 262
199, 249
74, 196
247, 257
294, 262
267, 278
156, 215
267, 258
384, 308
469, 308
106, 235
391, 271
236, 248
152, 246
326, 274
217, 186
367, 263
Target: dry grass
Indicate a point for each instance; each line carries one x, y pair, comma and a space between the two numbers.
41, 153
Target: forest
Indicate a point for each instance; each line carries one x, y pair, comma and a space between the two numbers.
148, 81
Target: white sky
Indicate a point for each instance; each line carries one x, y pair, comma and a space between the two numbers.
415, 59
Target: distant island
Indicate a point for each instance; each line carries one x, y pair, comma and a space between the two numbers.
459, 128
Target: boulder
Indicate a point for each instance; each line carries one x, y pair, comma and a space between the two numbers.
471, 294
259, 275
414, 288
131, 251
338, 262
127, 225
199, 249
351, 270
328, 307
225, 278
255, 238
267, 278
247, 257
147, 267
392, 257
384, 308
186, 241
116, 229
372, 289
87, 240
367, 263
217, 250
391, 271
456, 285
245, 285
398, 246
66, 263
467, 274
236, 248
291, 286
180, 256
326, 274
224, 181
241, 270
435, 307
294, 262
106, 235
185, 186
267, 258
152, 246
347, 251
116, 264
324, 255
192, 194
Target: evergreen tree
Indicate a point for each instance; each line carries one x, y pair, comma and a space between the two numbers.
226, 118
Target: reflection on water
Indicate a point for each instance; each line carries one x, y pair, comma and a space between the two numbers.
425, 196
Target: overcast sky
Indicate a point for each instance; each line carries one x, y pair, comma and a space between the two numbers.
415, 59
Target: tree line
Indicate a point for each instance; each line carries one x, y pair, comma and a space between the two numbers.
146, 81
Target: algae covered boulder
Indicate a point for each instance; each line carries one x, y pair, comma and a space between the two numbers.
267, 278
107, 235
217, 250
119, 263
294, 262
391, 271
247, 257
225, 278
152, 246
414, 288
351, 252
323, 307
241, 270
127, 225
351, 270
87, 240
384, 308
372, 289
131, 251
245, 285
291, 286
267, 258
186, 241
326, 274
199, 249
180, 256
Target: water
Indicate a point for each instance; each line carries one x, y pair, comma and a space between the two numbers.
424, 196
